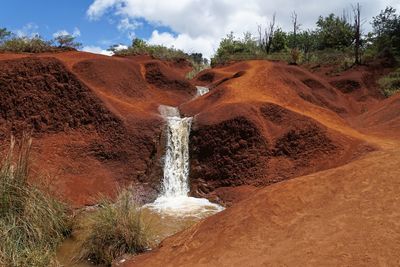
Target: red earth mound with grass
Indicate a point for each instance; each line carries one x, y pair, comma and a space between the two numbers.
96, 126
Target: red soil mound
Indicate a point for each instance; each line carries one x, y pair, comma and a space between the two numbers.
340, 217
42, 94
159, 76
262, 143
255, 128
383, 119
94, 119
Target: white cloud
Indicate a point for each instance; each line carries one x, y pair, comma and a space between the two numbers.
120, 47
97, 50
200, 24
126, 24
76, 33
28, 30
185, 42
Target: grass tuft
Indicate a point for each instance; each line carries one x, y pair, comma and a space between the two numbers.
390, 84
115, 229
32, 223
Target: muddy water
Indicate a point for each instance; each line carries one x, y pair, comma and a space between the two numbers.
68, 251
162, 223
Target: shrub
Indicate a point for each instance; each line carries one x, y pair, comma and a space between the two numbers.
26, 45
32, 223
196, 69
390, 84
295, 56
67, 41
140, 47
114, 230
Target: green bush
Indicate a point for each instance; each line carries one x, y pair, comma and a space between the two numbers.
32, 223
67, 41
115, 229
140, 47
390, 84
26, 45
196, 69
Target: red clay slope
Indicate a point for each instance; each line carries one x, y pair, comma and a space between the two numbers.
344, 216
94, 119
264, 122
348, 216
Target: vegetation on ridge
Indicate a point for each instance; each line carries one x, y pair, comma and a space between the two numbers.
10, 42
390, 84
336, 38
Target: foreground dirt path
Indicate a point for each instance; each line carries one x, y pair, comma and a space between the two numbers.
348, 216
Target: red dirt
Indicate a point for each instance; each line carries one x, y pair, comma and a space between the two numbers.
255, 127
311, 220
94, 119
328, 145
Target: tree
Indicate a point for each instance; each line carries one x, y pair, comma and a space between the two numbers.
235, 48
334, 32
279, 41
266, 36
307, 42
357, 33
139, 43
197, 58
67, 41
386, 30
296, 28
4, 34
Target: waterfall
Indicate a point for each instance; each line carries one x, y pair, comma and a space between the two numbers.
176, 166
174, 199
202, 90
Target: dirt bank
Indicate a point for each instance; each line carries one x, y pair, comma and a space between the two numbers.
94, 119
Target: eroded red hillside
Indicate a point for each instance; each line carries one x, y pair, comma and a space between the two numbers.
94, 119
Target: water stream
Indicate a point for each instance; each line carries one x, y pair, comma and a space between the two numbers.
201, 90
174, 199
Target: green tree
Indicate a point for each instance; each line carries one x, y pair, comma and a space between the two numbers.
307, 42
279, 41
334, 32
4, 35
386, 30
139, 43
234, 48
67, 41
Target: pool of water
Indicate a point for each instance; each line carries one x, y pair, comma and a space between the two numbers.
165, 216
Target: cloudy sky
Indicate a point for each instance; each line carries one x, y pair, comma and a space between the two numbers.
191, 25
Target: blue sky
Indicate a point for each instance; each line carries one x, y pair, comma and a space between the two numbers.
47, 17
190, 25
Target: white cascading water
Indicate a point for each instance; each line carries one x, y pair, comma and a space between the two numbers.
202, 90
174, 199
176, 166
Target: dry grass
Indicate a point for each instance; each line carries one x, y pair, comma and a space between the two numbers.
114, 229
390, 84
32, 223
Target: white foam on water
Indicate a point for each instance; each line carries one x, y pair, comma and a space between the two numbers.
202, 90
184, 206
168, 111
